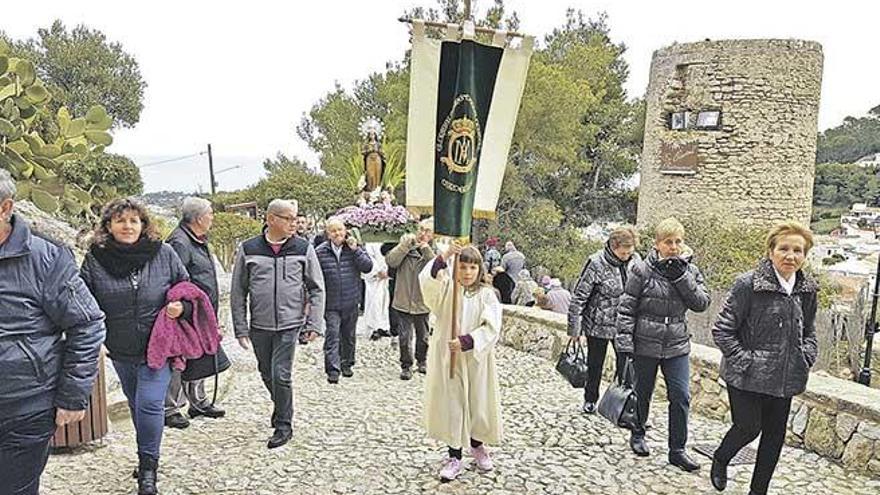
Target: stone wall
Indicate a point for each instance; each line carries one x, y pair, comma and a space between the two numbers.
757, 164
835, 418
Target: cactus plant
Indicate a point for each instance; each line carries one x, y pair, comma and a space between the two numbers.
35, 160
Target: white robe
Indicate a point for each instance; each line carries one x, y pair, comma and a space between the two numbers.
376, 295
467, 406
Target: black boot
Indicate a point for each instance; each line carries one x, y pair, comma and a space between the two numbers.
638, 445
147, 467
681, 460
718, 475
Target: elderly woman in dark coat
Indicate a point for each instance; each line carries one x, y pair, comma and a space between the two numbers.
592, 312
129, 270
652, 328
766, 332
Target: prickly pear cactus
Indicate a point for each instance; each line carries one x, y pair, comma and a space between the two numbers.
33, 161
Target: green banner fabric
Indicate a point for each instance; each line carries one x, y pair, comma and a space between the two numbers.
468, 71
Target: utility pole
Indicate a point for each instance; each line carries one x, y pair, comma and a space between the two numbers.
467, 10
211, 170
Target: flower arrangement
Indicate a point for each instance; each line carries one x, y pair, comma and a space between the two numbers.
379, 221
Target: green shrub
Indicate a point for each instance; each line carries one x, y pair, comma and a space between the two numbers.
228, 230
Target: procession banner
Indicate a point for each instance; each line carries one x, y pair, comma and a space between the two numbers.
464, 99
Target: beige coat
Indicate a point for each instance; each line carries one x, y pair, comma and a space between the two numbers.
467, 406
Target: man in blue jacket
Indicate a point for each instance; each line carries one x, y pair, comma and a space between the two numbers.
342, 262
51, 331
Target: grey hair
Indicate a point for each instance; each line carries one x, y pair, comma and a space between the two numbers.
7, 185
334, 221
194, 208
277, 206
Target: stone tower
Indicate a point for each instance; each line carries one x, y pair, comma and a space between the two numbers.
731, 129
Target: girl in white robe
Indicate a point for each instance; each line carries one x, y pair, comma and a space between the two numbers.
466, 409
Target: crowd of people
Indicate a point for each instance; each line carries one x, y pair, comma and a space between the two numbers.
153, 305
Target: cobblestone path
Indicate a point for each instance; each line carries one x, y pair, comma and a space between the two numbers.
364, 436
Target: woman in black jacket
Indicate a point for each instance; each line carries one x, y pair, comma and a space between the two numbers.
766, 332
129, 270
652, 331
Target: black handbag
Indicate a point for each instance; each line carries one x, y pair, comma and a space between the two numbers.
619, 403
572, 364
206, 366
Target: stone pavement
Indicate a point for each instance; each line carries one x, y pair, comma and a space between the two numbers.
364, 436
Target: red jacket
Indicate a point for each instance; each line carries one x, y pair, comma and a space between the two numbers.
180, 339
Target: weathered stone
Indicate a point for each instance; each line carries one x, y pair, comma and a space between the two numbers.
821, 436
846, 426
799, 424
870, 430
858, 452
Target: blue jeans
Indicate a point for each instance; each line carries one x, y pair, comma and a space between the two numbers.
145, 390
676, 372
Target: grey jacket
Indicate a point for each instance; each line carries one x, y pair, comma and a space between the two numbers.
409, 261
651, 316
593, 308
51, 328
768, 338
283, 291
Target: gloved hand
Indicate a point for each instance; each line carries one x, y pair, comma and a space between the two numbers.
673, 268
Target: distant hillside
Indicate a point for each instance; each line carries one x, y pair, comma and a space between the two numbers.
856, 138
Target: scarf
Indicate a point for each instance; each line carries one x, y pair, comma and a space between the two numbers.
120, 260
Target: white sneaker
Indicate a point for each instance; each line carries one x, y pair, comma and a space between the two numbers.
482, 459
451, 469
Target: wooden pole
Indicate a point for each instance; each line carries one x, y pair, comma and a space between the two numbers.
467, 10
479, 29
456, 317
211, 171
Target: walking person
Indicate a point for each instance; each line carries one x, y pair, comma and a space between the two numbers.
767, 334
464, 410
408, 258
51, 330
190, 241
592, 313
342, 263
277, 281
129, 270
652, 331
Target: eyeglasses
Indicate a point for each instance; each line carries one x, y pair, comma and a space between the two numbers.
284, 217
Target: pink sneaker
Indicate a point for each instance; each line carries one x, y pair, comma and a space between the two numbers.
451, 469
484, 462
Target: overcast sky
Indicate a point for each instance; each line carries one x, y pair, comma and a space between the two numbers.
242, 77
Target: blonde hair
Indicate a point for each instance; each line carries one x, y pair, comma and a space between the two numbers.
789, 227
623, 236
668, 228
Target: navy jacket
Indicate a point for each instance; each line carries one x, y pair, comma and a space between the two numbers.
133, 303
196, 257
41, 299
342, 276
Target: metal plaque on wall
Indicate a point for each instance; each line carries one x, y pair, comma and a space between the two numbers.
678, 158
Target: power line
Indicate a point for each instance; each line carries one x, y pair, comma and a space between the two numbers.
151, 164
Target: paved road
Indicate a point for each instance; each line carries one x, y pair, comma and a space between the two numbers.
364, 436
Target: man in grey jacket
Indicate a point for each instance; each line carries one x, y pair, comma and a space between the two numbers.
278, 280
409, 257
51, 331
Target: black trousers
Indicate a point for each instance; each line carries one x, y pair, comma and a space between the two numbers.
410, 324
755, 414
274, 351
597, 348
24, 450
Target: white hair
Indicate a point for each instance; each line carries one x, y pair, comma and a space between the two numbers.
7, 185
194, 208
334, 221
277, 206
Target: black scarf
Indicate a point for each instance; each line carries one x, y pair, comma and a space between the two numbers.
120, 260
